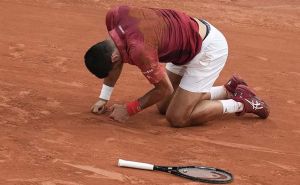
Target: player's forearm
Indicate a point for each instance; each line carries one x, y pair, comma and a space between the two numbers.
162, 89
110, 81
154, 96
114, 75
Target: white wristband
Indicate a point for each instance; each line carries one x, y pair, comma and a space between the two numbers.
106, 92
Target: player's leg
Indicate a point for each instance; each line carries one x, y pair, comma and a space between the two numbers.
192, 102
175, 74
243, 100
216, 93
211, 109
195, 101
190, 108
206, 108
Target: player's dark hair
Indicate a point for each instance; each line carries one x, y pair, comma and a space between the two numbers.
98, 59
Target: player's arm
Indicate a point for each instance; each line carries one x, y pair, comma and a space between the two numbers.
114, 74
147, 61
107, 88
161, 90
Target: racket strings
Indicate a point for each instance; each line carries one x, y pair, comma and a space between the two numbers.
204, 173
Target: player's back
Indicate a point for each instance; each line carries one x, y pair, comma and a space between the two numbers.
173, 34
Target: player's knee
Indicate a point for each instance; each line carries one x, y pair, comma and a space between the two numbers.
178, 124
177, 121
184, 121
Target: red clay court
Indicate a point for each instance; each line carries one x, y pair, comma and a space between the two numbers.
49, 137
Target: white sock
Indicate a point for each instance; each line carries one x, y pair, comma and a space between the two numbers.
218, 93
231, 106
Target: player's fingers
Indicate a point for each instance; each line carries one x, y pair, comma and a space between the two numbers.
111, 108
102, 110
121, 120
94, 109
98, 109
112, 115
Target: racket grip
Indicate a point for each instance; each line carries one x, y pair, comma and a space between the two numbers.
132, 164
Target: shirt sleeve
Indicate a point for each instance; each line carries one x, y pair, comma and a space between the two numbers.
146, 58
110, 19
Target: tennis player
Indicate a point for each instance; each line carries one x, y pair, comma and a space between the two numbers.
194, 52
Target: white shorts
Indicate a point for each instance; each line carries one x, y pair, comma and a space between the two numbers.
202, 71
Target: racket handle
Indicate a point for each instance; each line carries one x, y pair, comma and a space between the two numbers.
132, 164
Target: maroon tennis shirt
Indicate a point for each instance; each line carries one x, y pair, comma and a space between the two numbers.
147, 37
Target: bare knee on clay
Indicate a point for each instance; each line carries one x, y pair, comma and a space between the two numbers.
177, 120
182, 106
204, 111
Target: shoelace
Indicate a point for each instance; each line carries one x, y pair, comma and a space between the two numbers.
255, 105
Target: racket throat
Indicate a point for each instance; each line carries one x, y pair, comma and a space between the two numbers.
162, 168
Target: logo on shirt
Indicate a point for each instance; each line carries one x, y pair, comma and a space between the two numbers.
148, 77
147, 72
121, 29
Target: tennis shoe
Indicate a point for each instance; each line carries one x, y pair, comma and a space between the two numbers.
252, 103
233, 82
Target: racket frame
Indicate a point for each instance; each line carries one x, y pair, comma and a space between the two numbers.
175, 170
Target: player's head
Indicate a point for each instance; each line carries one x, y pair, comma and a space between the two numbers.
98, 58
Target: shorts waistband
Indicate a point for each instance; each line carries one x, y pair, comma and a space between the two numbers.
207, 28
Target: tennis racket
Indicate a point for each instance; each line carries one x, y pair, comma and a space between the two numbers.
195, 173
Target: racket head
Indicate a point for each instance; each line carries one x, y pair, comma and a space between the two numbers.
203, 174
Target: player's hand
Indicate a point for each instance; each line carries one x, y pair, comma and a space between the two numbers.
99, 107
119, 113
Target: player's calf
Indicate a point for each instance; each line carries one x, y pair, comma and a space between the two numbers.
204, 111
